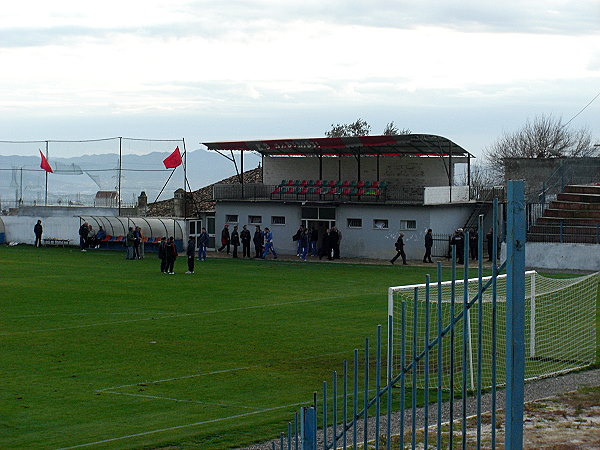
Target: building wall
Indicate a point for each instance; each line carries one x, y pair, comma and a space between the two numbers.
367, 241
405, 170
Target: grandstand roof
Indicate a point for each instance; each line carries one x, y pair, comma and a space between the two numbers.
400, 145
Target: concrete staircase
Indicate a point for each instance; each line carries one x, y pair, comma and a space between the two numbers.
573, 217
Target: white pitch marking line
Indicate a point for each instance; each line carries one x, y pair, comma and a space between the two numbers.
213, 372
177, 427
216, 311
157, 397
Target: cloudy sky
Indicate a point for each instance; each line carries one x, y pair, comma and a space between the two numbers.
231, 70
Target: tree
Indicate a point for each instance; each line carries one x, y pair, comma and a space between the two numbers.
361, 128
545, 137
392, 130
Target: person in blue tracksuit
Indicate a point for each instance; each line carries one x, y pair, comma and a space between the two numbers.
202, 244
269, 244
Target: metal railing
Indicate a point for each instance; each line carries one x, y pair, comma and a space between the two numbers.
357, 405
259, 191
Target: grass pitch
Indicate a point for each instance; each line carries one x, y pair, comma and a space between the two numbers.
102, 352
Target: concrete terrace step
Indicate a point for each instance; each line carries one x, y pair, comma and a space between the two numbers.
591, 230
572, 213
579, 198
566, 220
566, 238
582, 189
556, 204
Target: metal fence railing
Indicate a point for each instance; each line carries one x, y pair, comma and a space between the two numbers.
361, 411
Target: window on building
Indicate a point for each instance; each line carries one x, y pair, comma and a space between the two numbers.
354, 223
231, 218
277, 220
380, 224
255, 220
408, 224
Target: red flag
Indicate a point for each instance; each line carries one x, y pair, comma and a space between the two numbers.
173, 160
45, 164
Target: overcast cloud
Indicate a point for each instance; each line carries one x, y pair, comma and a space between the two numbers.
217, 67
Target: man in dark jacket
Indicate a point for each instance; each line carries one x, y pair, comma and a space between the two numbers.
202, 244
326, 245
83, 234
458, 241
225, 239
428, 245
245, 237
399, 250
37, 230
171, 256
162, 254
235, 241
259, 241
190, 251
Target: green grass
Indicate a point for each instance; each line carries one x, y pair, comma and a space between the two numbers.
95, 348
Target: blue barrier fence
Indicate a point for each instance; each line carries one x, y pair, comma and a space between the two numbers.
364, 415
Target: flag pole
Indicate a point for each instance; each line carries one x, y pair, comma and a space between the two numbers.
46, 196
184, 180
120, 167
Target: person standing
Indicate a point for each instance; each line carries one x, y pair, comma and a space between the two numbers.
162, 254
269, 244
473, 243
428, 245
326, 245
190, 250
314, 240
83, 234
171, 256
141, 246
338, 244
245, 237
304, 244
136, 242
202, 244
296, 238
235, 240
259, 241
399, 250
38, 230
490, 243
129, 242
458, 241
225, 239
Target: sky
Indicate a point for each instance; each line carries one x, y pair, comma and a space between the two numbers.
260, 69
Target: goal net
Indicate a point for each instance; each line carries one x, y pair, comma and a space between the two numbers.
560, 327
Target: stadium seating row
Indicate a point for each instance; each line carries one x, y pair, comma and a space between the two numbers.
333, 183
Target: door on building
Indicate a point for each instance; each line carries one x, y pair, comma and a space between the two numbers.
318, 218
194, 230
210, 229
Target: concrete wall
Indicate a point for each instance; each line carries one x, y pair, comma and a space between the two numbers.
20, 228
367, 241
541, 255
61, 211
440, 195
393, 169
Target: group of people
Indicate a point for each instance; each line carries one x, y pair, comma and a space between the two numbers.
308, 243
134, 243
88, 237
262, 240
458, 241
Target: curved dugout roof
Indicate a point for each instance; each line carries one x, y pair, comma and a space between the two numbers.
151, 226
399, 145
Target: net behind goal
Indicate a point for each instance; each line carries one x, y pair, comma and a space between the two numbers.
560, 326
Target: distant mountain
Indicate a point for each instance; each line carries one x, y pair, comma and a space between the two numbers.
77, 179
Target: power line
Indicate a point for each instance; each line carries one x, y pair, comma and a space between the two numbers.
582, 109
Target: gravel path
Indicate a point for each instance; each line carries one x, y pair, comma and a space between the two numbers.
534, 390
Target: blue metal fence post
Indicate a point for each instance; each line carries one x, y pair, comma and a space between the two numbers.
515, 314
308, 424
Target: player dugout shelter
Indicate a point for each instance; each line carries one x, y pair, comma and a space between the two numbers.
153, 229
